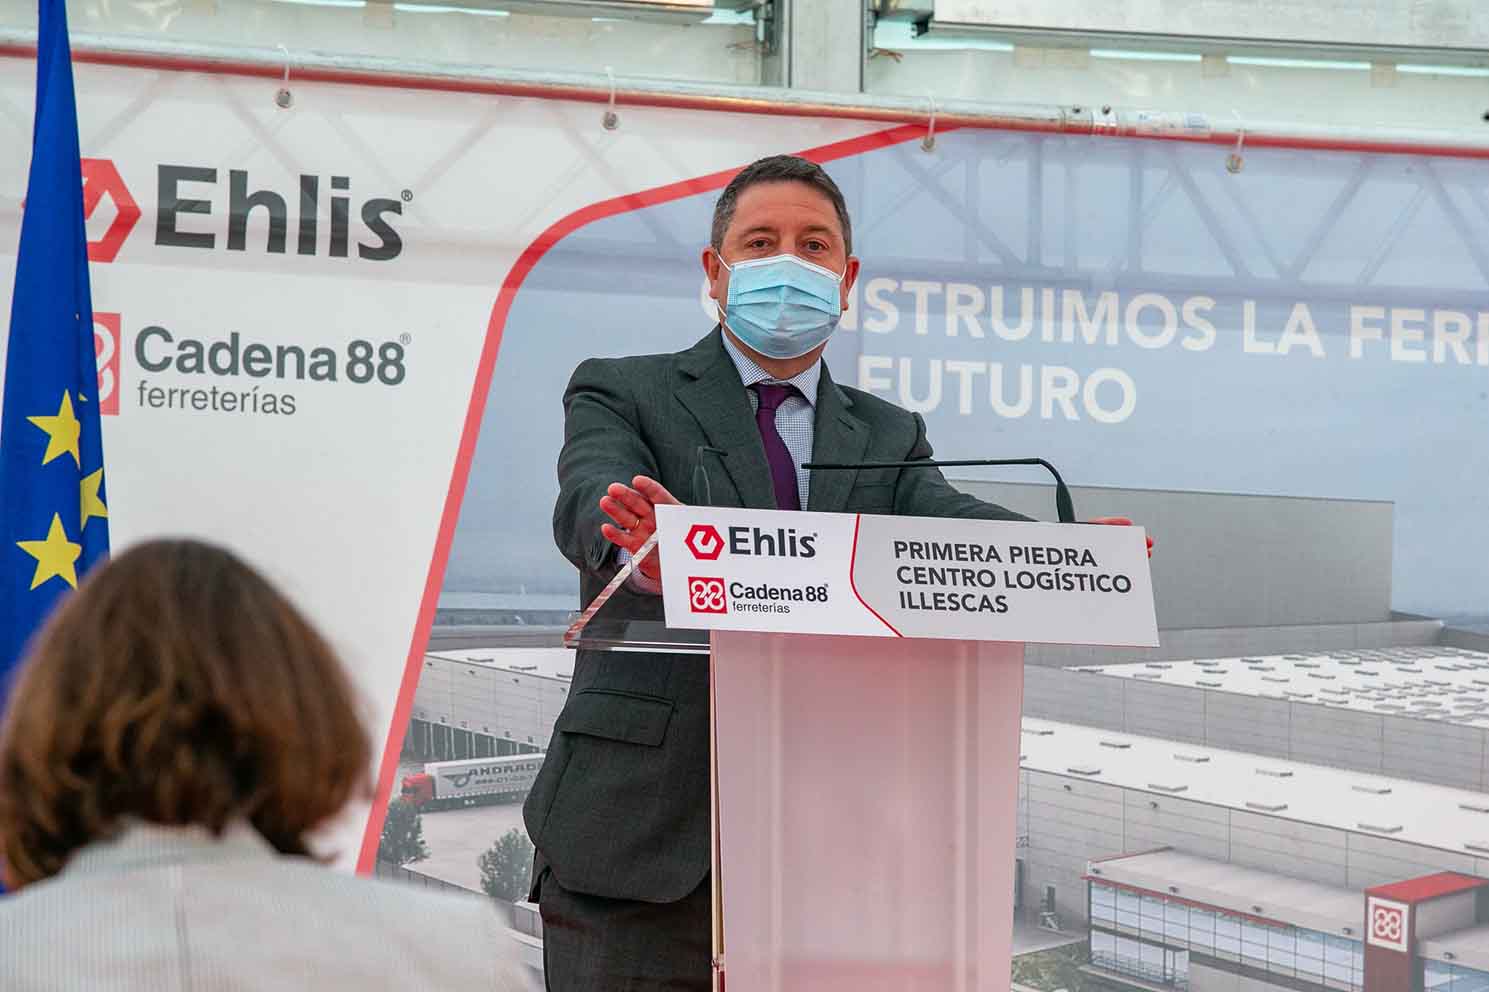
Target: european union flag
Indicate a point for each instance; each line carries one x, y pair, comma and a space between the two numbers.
53, 523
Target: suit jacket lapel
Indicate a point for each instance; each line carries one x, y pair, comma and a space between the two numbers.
711, 391
838, 436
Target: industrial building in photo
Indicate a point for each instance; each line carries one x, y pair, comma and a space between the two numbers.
483, 703
1166, 851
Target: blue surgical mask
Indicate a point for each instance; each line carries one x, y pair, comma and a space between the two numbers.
782, 307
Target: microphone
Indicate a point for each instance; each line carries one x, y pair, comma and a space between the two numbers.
1064, 506
702, 491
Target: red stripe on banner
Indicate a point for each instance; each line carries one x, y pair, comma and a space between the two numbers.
458, 479
852, 564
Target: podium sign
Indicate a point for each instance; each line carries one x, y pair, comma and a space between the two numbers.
881, 576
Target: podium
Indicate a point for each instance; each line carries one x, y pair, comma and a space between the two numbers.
866, 680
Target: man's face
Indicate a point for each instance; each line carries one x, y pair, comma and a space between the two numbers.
781, 218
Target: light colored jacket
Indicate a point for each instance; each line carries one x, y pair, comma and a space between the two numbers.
167, 909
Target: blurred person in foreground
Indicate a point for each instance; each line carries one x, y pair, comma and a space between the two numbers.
175, 734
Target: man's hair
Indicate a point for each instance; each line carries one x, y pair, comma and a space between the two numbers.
779, 169
176, 686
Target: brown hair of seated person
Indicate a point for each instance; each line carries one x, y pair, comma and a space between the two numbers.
178, 687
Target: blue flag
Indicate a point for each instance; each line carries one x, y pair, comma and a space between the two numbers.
53, 522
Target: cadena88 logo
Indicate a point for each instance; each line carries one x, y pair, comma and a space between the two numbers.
706, 595
1388, 924
106, 351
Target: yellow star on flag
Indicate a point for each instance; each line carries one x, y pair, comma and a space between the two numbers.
56, 556
63, 432
92, 504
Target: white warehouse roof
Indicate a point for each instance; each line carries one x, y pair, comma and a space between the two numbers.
1418, 813
550, 663
1430, 683
1238, 888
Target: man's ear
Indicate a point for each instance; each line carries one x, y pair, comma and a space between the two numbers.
850, 276
717, 275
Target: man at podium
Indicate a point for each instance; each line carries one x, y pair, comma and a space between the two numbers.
620, 813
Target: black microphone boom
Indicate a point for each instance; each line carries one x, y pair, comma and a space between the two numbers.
1064, 506
702, 490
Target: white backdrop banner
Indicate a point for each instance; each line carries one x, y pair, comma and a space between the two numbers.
298, 312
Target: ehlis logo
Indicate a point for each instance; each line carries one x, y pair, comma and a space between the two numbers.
184, 192
706, 543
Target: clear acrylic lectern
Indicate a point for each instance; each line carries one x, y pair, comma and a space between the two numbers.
865, 797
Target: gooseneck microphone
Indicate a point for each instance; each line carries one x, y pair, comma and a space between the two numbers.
1064, 506
702, 490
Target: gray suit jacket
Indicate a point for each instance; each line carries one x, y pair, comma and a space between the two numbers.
163, 909
620, 808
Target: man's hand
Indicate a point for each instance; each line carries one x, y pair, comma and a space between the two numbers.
1121, 522
634, 510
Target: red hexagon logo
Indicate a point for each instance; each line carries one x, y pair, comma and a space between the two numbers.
101, 179
705, 542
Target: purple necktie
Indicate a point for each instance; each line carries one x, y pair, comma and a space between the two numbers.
782, 466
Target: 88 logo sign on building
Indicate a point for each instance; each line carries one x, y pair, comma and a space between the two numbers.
707, 595
1387, 924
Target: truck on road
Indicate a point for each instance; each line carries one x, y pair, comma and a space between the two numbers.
445, 784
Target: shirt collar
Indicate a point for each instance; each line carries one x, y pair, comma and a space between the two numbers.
138, 844
749, 373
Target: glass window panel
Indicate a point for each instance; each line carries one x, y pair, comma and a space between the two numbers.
1176, 922
1103, 948
1282, 952
1152, 963
1310, 954
1469, 979
1128, 905
1102, 895
1335, 971
1127, 951
967, 65
1253, 944
1227, 937
1340, 950
1178, 964
719, 49
1439, 976
1202, 930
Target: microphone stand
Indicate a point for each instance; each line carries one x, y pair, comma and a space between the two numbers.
1064, 505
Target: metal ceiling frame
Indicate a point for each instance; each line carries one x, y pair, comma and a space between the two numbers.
1284, 266
1110, 121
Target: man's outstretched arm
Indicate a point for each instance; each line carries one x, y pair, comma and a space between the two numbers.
602, 446
606, 474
